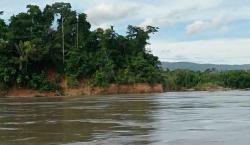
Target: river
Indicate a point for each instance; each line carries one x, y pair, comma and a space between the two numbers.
174, 118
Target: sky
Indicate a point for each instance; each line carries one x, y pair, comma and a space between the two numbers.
201, 31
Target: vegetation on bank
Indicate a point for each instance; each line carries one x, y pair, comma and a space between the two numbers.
31, 45
208, 80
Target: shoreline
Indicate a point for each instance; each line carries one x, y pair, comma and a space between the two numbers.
113, 89
208, 90
139, 88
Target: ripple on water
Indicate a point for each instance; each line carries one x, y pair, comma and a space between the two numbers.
176, 118
8, 129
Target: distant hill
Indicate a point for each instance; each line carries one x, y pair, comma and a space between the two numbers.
202, 67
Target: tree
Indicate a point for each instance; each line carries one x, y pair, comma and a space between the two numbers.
138, 37
3, 29
67, 34
30, 45
83, 29
24, 50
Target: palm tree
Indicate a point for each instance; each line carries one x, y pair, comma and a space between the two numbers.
24, 50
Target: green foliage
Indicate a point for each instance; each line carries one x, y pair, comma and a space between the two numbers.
72, 81
100, 78
179, 79
186, 79
143, 71
24, 50
78, 64
125, 76
40, 82
30, 45
236, 79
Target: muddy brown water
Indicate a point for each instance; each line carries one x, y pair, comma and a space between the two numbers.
181, 118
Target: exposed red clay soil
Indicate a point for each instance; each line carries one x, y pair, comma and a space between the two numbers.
115, 89
111, 89
22, 92
51, 74
86, 90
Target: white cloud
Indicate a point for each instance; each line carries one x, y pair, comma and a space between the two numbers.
222, 51
144, 12
197, 26
168, 19
224, 29
108, 12
203, 14
201, 25
157, 22
167, 13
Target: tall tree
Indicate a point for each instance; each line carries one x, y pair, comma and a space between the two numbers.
66, 24
3, 28
83, 29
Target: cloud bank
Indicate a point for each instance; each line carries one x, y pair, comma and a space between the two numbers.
221, 51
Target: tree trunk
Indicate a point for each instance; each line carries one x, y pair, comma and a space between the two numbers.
20, 63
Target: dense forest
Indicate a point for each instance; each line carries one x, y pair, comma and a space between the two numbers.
58, 38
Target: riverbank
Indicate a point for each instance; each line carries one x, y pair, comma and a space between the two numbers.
139, 88
210, 80
210, 87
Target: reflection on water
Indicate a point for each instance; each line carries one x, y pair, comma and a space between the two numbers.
100, 119
169, 119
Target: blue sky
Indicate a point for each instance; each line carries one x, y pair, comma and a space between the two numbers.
202, 31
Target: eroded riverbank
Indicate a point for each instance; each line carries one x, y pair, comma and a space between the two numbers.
139, 88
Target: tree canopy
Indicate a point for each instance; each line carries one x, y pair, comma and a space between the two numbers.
31, 45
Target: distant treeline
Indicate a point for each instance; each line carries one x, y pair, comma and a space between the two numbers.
31, 46
187, 79
203, 67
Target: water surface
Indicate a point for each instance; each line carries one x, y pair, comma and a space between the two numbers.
182, 118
